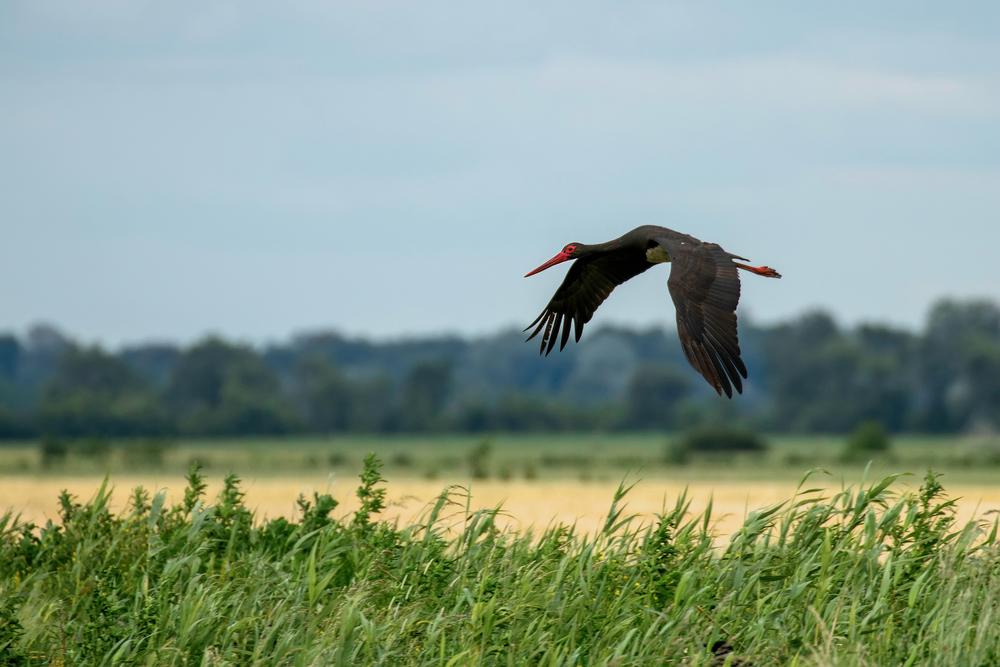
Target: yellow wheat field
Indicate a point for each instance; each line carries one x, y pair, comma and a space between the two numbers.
524, 503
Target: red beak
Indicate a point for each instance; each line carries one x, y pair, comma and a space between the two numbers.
558, 259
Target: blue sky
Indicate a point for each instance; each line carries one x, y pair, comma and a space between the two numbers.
388, 169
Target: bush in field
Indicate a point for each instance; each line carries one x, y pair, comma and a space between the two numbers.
403, 460
868, 439
145, 453
724, 440
677, 452
479, 459
96, 448
53, 450
863, 577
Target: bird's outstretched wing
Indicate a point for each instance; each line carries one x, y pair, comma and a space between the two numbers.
588, 283
706, 289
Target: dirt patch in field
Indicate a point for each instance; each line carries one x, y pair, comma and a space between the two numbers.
524, 503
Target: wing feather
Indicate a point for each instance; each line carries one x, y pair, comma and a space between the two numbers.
557, 321
705, 289
589, 281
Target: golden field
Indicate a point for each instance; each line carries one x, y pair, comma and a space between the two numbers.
524, 503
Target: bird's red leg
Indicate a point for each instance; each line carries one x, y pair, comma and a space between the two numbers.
765, 271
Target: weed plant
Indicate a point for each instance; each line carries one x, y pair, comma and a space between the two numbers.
863, 577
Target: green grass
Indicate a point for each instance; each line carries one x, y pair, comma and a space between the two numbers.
862, 577
598, 456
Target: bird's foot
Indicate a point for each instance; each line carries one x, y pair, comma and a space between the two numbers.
765, 271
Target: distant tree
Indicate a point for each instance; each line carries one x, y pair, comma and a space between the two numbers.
886, 386
823, 379
37, 363
393, 359
521, 414
955, 358
47, 338
93, 370
10, 356
201, 372
654, 396
153, 362
93, 393
425, 392
808, 364
332, 402
11, 426
475, 417
982, 372
515, 413
217, 388
808, 375
329, 404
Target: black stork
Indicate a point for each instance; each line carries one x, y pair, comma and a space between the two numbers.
703, 284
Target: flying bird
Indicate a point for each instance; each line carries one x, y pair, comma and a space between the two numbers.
703, 284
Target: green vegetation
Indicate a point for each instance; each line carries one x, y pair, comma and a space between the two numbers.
807, 375
868, 439
724, 440
864, 577
595, 456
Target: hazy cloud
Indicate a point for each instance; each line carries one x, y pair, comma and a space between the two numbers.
169, 169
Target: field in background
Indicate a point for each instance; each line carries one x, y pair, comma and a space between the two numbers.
537, 478
601, 457
524, 504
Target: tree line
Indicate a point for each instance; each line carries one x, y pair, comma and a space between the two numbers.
806, 375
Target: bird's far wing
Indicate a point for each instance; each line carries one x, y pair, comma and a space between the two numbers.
588, 283
705, 289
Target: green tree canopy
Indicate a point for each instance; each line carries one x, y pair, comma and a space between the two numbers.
93, 393
654, 396
217, 388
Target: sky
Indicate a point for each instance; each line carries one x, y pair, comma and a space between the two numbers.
391, 169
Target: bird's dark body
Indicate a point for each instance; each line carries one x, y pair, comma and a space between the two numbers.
703, 284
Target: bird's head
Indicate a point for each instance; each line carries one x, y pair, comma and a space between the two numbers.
570, 251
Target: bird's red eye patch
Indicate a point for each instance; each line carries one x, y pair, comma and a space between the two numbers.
568, 249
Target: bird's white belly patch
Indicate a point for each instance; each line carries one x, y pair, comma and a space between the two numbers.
657, 254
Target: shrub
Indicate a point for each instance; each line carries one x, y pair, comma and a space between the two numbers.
146, 453
479, 459
677, 453
53, 450
867, 439
724, 440
96, 448
403, 460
